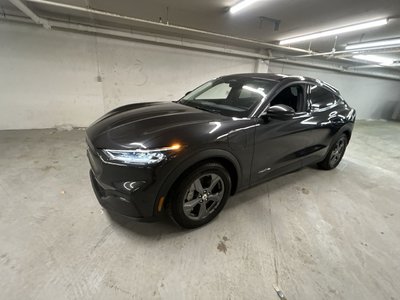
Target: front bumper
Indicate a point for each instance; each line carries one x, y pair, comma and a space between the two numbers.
114, 201
107, 182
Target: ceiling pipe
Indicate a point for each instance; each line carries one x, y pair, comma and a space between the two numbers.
349, 70
157, 40
343, 53
188, 45
169, 26
365, 67
361, 64
27, 11
306, 53
143, 38
187, 29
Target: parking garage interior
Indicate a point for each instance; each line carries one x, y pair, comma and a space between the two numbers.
310, 234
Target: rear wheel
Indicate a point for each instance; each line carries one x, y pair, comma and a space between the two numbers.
201, 195
335, 154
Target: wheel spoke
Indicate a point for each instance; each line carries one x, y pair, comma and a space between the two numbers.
215, 197
188, 206
337, 152
198, 186
214, 181
203, 211
190, 193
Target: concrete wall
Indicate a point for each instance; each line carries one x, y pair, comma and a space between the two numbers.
50, 78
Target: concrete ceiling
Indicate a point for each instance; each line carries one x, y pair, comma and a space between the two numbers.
297, 17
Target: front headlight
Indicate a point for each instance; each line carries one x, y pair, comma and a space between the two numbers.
140, 156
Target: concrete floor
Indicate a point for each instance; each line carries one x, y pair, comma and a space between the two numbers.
317, 234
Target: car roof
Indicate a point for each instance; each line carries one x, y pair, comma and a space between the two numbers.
278, 78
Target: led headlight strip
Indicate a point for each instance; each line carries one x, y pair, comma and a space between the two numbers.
139, 156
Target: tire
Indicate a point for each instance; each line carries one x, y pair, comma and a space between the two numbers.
201, 195
335, 153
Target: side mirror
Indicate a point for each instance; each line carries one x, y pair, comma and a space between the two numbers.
280, 111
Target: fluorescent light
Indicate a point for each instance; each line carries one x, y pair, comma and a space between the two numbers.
375, 58
334, 31
382, 43
241, 5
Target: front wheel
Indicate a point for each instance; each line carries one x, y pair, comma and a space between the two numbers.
335, 153
201, 195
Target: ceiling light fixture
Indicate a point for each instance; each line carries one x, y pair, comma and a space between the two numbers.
334, 31
382, 43
242, 4
375, 59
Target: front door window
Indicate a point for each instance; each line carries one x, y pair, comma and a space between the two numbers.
291, 96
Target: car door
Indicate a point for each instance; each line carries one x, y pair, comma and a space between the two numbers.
280, 145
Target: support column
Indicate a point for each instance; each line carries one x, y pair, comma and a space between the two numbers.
261, 65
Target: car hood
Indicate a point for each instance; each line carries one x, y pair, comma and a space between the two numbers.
151, 125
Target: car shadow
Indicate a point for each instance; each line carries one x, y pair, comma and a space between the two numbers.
156, 228
270, 186
164, 226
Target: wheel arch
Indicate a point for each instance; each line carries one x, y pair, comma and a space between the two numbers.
347, 132
226, 159
347, 129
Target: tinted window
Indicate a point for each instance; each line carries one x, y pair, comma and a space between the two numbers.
321, 97
235, 97
291, 96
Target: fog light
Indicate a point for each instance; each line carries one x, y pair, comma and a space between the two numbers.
132, 186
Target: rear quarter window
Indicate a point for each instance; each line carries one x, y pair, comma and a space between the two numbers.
320, 97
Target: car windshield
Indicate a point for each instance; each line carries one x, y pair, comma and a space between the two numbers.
233, 98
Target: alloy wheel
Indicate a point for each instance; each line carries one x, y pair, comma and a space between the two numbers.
337, 152
203, 196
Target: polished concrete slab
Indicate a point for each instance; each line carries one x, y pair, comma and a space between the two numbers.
316, 234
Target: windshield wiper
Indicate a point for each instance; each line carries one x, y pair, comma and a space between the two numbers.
202, 108
207, 109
